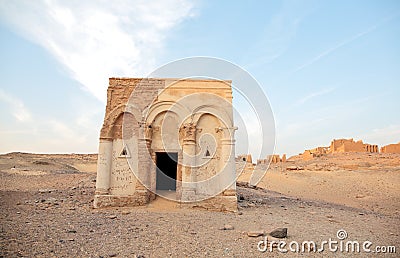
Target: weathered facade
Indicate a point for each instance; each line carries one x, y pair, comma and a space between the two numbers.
167, 137
349, 145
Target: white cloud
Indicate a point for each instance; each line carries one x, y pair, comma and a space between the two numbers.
17, 107
39, 133
96, 40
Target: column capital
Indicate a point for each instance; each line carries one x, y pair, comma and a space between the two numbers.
229, 132
188, 132
145, 131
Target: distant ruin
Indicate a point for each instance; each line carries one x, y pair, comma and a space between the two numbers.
340, 146
170, 137
245, 157
349, 145
272, 159
391, 148
316, 152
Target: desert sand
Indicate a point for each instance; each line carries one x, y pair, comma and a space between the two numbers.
46, 210
359, 180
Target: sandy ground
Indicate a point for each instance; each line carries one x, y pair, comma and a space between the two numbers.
46, 211
367, 181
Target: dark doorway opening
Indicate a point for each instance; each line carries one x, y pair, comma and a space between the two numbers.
166, 170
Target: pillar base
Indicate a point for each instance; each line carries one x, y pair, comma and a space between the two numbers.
230, 192
188, 195
101, 192
139, 199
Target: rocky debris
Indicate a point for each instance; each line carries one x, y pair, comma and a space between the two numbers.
41, 162
42, 191
279, 233
292, 168
256, 233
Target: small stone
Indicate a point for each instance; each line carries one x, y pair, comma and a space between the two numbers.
52, 200
228, 227
279, 233
361, 213
72, 231
112, 255
112, 217
255, 233
125, 212
18, 212
240, 213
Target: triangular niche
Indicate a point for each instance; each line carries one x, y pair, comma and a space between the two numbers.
207, 153
124, 152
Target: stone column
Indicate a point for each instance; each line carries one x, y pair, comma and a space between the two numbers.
151, 169
104, 162
188, 133
228, 161
144, 160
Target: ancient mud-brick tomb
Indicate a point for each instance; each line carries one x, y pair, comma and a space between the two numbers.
170, 138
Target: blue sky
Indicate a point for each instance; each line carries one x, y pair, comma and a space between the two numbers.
330, 69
